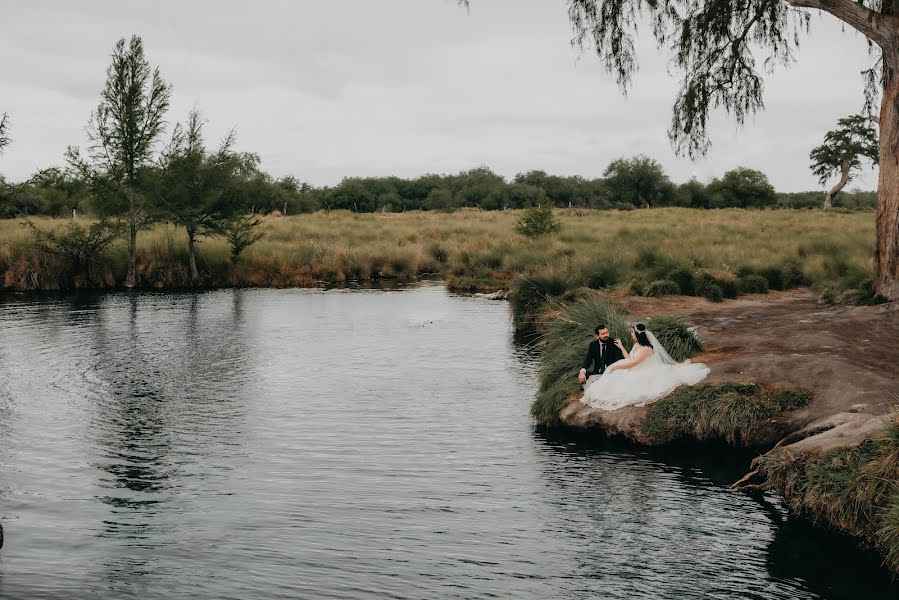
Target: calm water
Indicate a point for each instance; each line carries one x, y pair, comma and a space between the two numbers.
348, 444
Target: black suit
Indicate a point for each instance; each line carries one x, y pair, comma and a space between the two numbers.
600, 355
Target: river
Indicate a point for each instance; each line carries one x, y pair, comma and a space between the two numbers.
350, 444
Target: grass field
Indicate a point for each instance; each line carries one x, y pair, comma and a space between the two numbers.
642, 249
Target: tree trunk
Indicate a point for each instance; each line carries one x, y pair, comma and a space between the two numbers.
844, 179
131, 279
886, 252
192, 255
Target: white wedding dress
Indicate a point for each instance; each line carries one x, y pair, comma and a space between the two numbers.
654, 378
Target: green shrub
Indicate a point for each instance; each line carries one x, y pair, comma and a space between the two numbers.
683, 277
730, 286
789, 398
753, 284
774, 276
601, 275
537, 221
637, 287
792, 276
663, 287
713, 293
862, 292
680, 341
785, 277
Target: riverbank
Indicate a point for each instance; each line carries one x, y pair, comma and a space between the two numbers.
716, 253
824, 453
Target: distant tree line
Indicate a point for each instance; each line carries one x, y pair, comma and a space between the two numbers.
638, 182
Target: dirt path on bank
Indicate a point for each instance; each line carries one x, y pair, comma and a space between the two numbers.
848, 356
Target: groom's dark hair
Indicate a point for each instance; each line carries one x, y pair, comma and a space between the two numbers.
599, 328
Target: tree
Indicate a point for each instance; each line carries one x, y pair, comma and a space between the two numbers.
639, 181
693, 194
714, 45
515, 195
241, 231
198, 189
4, 127
352, 194
476, 185
122, 134
441, 199
79, 244
842, 153
743, 188
560, 190
537, 221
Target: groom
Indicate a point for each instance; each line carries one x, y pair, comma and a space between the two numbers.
601, 353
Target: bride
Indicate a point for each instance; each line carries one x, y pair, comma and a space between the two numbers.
646, 374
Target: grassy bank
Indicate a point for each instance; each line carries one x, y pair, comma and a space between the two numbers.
571, 327
852, 489
733, 413
710, 252
730, 413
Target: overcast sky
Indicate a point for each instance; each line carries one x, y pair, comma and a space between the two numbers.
324, 89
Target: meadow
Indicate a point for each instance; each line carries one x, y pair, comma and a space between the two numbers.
716, 253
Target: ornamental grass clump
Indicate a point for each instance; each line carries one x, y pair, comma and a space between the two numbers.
529, 296
679, 340
564, 344
730, 412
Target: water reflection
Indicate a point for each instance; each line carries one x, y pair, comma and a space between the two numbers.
797, 558
365, 444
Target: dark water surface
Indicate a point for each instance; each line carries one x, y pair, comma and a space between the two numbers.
349, 444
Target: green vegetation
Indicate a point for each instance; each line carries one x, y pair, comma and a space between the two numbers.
122, 132
537, 221
54, 192
853, 489
729, 412
563, 345
709, 44
680, 341
570, 327
480, 251
843, 151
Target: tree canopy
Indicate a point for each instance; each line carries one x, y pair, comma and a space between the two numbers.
843, 152
123, 132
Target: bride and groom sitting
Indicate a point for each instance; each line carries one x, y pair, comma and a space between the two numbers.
637, 377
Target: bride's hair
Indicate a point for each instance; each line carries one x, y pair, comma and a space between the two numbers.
642, 338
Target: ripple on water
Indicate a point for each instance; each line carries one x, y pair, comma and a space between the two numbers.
288, 443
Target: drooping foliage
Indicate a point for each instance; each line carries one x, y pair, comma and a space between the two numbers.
4, 131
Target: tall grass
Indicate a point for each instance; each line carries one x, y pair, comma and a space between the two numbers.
730, 412
474, 250
570, 329
564, 346
853, 489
